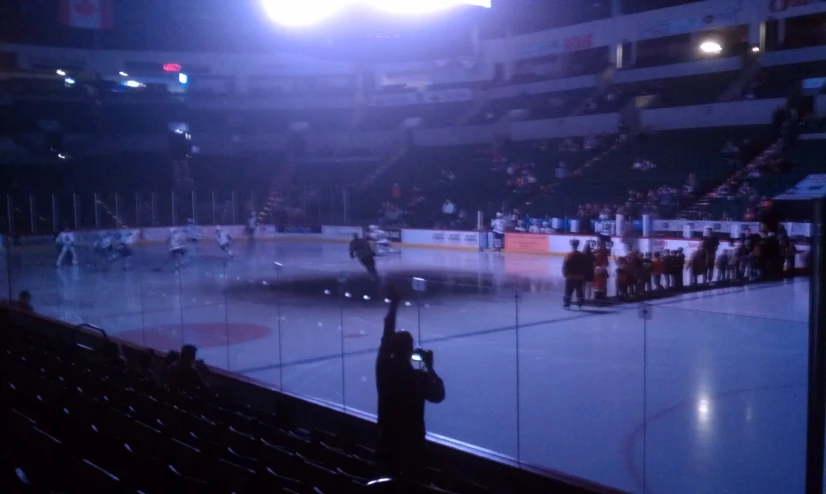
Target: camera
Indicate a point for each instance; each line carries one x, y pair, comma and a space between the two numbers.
420, 355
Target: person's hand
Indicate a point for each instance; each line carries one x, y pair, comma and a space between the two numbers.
427, 358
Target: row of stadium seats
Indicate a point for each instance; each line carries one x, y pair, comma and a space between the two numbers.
482, 182
76, 423
675, 154
78, 113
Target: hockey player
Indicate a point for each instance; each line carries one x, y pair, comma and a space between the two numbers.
177, 248
710, 244
380, 240
679, 268
193, 233
223, 239
574, 270
360, 248
498, 225
103, 246
66, 240
124, 246
601, 254
252, 225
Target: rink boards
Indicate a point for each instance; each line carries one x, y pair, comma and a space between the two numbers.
525, 243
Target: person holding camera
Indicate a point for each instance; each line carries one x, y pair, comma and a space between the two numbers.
403, 391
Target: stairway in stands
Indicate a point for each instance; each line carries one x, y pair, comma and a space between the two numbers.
181, 176
119, 223
398, 153
279, 182
617, 144
697, 209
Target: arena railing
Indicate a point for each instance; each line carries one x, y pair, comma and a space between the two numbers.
31, 213
27, 213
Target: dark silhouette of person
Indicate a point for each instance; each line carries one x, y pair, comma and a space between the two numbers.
402, 392
574, 269
24, 301
184, 374
360, 248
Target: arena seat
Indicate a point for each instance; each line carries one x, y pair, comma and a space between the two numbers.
74, 424
676, 153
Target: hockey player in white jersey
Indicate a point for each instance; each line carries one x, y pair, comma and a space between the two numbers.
498, 226
252, 225
193, 233
66, 240
103, 246
380, 240
224, 241
123, 246
177, 248
546, 228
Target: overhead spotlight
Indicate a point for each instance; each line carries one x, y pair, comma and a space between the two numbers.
711, 48
297, 14
755, 49
69, 81
60, 72
122, 73
183, 78
133, 84
61, 156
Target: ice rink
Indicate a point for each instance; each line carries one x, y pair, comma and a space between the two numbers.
708, 395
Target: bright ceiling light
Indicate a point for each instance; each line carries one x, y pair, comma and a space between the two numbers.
711, 47
755, 49
133, 84
60, 72
422, 6
69, 81
301, 13
122, 73
307, 12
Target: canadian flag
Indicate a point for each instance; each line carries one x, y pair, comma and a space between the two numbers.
86, 14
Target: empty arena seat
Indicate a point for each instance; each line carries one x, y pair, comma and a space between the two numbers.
73, 424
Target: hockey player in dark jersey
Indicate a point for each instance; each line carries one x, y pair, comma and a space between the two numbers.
360, 248
710, 245
574, 269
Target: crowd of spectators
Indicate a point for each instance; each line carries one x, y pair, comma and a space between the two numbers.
753, 256
643, 164
663, 202
526, 181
